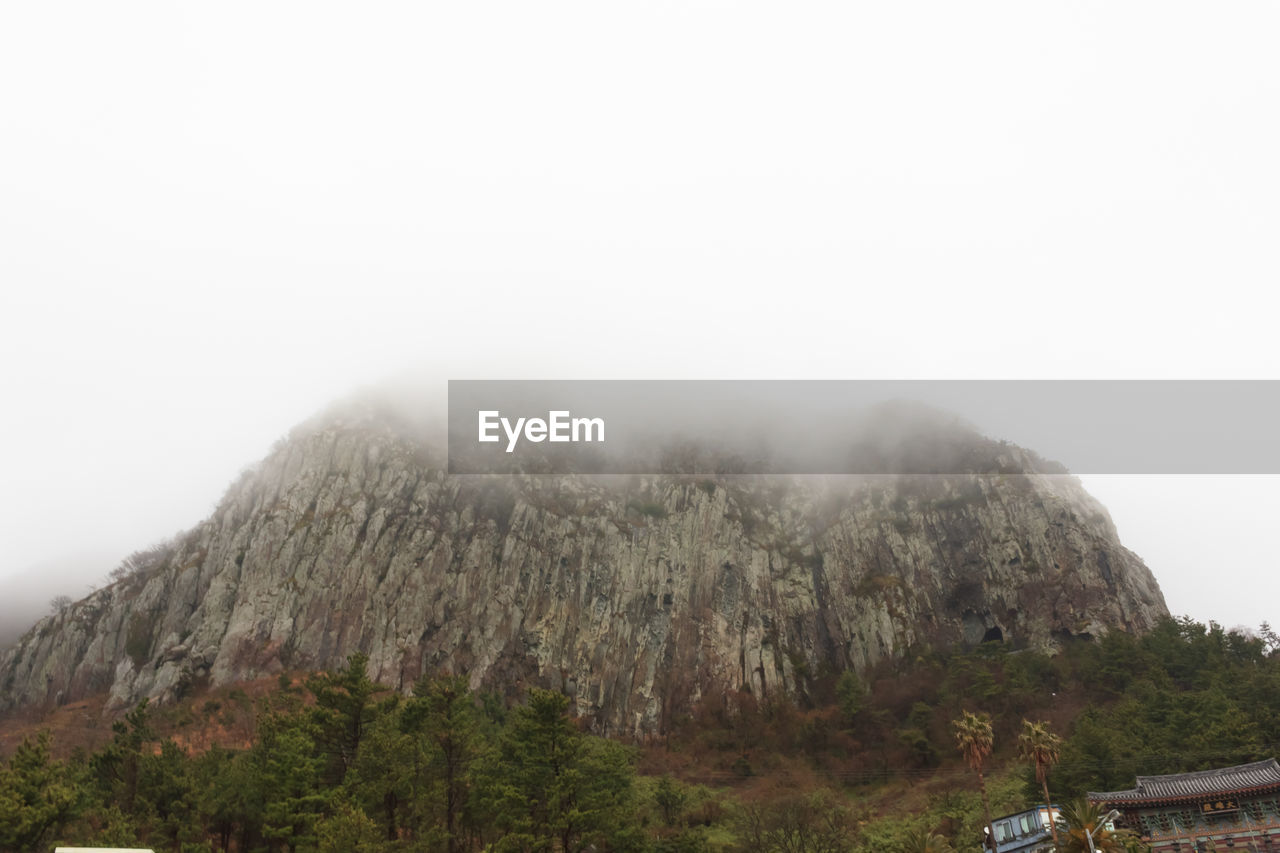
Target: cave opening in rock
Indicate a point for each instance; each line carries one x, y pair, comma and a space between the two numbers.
993, 635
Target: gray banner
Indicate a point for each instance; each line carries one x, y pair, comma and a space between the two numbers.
864, 427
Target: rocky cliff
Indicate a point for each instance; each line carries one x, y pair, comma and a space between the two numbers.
636, 595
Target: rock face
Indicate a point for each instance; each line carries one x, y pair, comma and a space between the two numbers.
635, 595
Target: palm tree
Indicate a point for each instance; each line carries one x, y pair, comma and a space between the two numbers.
1040, 746
925, 841
1082, 817
974, 739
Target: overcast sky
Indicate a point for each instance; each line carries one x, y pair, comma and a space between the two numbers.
216, 219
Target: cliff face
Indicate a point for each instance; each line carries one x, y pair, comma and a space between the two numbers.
636, 595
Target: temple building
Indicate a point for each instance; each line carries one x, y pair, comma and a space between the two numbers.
1233, 808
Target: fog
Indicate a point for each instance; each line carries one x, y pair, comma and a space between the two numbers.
878, 426
215, 221
1194, 530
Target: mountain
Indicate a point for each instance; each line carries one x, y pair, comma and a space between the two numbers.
636, 595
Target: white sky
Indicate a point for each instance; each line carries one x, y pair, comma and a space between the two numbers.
215, 219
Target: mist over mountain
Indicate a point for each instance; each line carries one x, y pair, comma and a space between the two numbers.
28, 596
638, 596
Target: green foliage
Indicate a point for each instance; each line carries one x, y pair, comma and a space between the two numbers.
137, 640
348, 830
921, 749
1084, 817
549, 785
37, 796
814, 822
685, 841
344, 710
975, 741
345, 765
229, 802
925, 841
432, 773
117, 767
973, 738
850, 694
956, 816
443, 712
388, 780
167, 794
1041, 749
1183, 697
287, 775
671, 800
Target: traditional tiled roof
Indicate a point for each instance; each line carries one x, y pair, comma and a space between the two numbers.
1203, 783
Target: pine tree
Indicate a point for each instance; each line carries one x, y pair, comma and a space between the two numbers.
443, 710
36, 796
118, 765
551, 788
389, 777
287, 775
344, 709
228, 796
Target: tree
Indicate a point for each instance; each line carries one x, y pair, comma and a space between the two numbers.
849, 694
389, 776
917, 743
228, 796
444, 711
1041, 747
347, 830
344, 709
167, 794
525, 784
670, 799
551, 788
797, 823
117, 766
146, 559
1085, 817
288, 777
974, 740
1270, 640
36, 796
925, 841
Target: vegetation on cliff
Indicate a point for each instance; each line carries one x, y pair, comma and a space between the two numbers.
334, 761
